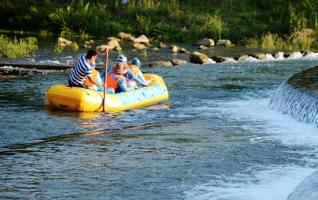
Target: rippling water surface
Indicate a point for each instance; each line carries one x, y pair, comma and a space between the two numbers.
217, 138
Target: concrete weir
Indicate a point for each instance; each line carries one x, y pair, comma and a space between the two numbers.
19, 69
298, 96
306, 190
37, 66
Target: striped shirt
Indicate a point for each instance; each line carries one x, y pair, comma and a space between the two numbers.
80, 72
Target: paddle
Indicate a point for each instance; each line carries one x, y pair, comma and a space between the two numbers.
105, 78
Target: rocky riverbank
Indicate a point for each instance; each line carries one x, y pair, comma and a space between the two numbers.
152, 54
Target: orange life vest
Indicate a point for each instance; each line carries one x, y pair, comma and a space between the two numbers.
95, 74
112, 81
135, 70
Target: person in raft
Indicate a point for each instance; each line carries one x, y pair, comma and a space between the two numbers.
134, 67
116, 79
98, 79
83, 71
131, 74
119, 76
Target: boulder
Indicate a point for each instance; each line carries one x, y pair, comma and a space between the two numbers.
113, 44
198, 58
74, 46
102, 47
229, 59
206, 42
139, 46
210, 61
269, 56
243, 58
62, 45
260, 56
87, 46
286, 55
218, 59
176, 61
225, 43
279, 56
126, 36
174, 49
142, 39
202, 47
64, 42
182, 50
165, 63
113, 38
306, 52
162, 45
89, 42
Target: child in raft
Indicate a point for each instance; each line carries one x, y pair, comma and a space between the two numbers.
134, 67
133, 74
121, 79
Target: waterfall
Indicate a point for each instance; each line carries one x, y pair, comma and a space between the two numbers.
298, 96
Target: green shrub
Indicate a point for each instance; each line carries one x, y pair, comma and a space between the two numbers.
17, 47
144, 24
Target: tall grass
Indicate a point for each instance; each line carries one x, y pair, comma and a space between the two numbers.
272, 41
304, 40
17, 47
269, 41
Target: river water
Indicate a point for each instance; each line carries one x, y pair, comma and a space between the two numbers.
216, 138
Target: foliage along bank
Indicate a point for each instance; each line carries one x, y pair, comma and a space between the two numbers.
270, 24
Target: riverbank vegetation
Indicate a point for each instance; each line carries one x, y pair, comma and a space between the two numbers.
269, 24
14, 48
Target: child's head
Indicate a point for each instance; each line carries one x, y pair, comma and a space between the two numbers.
121, 59
119, 68
135, 61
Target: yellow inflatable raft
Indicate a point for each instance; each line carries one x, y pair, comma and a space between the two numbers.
63, 97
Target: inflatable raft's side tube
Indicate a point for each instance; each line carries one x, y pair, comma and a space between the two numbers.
72, 98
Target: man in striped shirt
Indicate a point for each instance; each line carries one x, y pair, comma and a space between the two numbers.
83, 70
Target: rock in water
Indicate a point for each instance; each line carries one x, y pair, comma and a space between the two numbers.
198, 58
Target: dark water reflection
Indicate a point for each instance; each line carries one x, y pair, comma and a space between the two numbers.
162, 152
